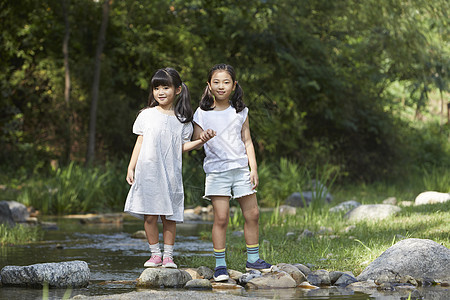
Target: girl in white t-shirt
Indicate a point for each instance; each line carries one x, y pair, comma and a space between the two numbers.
164, 130
228, 156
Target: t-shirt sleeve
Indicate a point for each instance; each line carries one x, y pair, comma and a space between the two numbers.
138, 126
244, 113
188, 129
198, 117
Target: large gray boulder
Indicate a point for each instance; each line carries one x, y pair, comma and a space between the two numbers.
59, 275
5, 214
420, 258
431, 197
370, 212
19, 211
162, 277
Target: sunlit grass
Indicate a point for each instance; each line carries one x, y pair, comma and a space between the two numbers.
19, 234
332, 247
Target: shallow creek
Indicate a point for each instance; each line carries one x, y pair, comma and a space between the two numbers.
112, 255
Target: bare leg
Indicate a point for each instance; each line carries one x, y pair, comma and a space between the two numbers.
221, 207
250, 211
151, 229
169, 231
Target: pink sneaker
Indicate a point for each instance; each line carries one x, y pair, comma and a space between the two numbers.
154, 261
168, 263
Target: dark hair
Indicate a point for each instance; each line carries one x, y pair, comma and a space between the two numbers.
207, 101
170, 77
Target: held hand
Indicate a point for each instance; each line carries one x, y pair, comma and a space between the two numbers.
254, 179
207, 134
130, 177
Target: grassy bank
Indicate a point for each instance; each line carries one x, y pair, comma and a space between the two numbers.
336, 244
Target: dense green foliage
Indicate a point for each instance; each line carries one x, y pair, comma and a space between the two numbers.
78, 189
326, 81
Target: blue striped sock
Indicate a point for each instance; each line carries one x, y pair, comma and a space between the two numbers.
252, 253
220, 257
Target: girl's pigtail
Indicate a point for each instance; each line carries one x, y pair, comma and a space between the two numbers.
207, 101
183, 109
237, 98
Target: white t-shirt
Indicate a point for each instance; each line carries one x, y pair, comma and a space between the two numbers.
225, 151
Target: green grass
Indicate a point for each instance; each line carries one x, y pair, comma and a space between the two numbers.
19, 234
331, 247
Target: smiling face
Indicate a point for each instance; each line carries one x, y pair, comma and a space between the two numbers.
165, 95
221, 85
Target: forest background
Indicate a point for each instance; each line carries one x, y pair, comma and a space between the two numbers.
355, 90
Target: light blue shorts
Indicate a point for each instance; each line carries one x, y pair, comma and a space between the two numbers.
233, 183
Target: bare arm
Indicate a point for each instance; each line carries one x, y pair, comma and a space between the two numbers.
199, 138
250, 149
133, 160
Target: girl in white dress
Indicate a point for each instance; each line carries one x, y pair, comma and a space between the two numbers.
164, 131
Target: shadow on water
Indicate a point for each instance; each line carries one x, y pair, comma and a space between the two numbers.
113, 255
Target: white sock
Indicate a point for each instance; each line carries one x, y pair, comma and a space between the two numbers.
155, 249
168, 251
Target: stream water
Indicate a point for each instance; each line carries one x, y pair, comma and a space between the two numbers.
113, 255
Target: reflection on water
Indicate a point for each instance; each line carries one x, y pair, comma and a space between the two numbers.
113, 255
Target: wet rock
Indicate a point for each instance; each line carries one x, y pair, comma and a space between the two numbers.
319, 277
304, 269
193, 272
345, 206
418, 258
140, 234
334, 276
372, 212
49, 225
19, 211
245, 278
59, 275
162, 277
294, 272
431, 197
198, 284
230, 285
273, 280
363, 286
112, 218
235, 275
345, 279
5, 214
307, 285
205, 272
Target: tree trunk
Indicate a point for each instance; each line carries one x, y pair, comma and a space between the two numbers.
65, 50
95, 85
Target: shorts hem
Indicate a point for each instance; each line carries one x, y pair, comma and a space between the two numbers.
207, 197
243, 195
